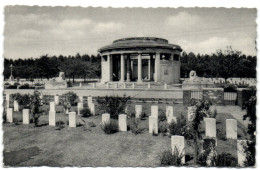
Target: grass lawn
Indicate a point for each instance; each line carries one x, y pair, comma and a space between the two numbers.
90, 147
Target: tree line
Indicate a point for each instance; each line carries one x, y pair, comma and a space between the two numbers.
225, 64
78, 66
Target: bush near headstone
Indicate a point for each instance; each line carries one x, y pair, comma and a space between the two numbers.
109, 127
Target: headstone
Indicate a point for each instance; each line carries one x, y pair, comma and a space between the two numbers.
9, 115
26, 116
81, 99
92, 109
122, 121
80, 107
241, 154
72, 119
138, 108
171, 118
105, 118
138, 114
154, 110
178, 143
52, 118
57, 100
153, 124
191, 113
7, 96
16, 106
52, 106
169, 111
80, 84
210, 127
231, 128
89, 100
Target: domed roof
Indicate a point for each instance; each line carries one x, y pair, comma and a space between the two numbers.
140, 42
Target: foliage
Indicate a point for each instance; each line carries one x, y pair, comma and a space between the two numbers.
167, 158
85, 112
16, 84
69, 99
163, 128
25, 86
143, 115
230, 88
161, 116
250, 149
92, 124
113, 105
7, 84
134, 126
35, 104
21, 99
226, 160
176, 128
110, 127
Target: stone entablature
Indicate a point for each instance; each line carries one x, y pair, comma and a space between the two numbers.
141, 59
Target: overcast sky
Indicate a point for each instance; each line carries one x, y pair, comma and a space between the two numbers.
35, 31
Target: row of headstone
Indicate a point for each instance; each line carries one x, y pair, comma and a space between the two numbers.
26, 115
122, 121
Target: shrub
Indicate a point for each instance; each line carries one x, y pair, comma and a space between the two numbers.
177, 128
60, 124
113, 105
143, 116
69, 83
226, 160
16, 84
69, 99
85, 112
230, 88
109, 127
92, 124
7, 84
163, 128
161, 116
25, 86
35, 104
167, 158
214, 114
22, 99
130, 114
134, 126
4, 116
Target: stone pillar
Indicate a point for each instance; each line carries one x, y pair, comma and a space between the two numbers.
7, 99
210, 127
241, 155
132, 68
52, 118
122, 68
128, 69
26, 116
177, 142
149, 69
122, 122
105, 118
56, 100
139, 68
231, 128
153, 124
16, 106
52, 106
154, 111
109, 62
157, 68
169, 111
9, 115
80, 107
72, 119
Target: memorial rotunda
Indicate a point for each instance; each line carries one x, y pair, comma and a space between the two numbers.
141, 59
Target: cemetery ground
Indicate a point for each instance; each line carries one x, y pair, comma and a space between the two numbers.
87, 145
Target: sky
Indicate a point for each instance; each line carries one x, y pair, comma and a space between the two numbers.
32, 31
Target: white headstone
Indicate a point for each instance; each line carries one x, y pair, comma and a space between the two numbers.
80, 84
72, 119
153, 124
138, 114
210, 127
169, 111
171, 118
138, 108
191, 113
26, 116
80, 107
178, 143
52, 118
154, 110
81, 99
241, 154
16, 106
7, 96
92, 109
231, 128
9, 115
122, 122
57, 100
52, 106
105, 118
89, 100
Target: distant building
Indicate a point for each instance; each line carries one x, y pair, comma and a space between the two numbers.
141, 59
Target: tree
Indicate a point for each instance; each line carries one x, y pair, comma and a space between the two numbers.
35, 104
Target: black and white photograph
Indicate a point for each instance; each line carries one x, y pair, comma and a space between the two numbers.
129, 87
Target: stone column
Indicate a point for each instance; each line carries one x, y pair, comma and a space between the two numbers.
109, 62
122, 68
139, 68
132, 68
149, 69
157, 67
128, 68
